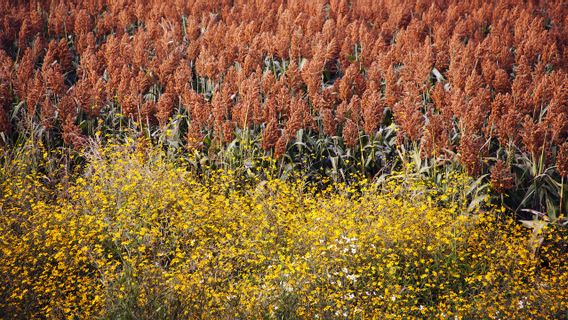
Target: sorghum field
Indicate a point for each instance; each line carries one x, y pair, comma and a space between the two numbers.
273, 159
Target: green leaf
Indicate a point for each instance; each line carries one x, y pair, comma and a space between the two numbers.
535, 225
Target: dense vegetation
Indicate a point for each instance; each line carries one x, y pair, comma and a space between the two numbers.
336, 85
138, 236
281, 159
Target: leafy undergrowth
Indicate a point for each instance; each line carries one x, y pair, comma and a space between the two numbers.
138, 236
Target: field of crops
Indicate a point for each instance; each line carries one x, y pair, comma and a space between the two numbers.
283, 159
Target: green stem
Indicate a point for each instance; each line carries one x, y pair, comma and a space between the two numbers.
561, 196
362, 156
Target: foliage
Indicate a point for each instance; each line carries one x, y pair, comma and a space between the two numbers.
482, 84
140, 235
